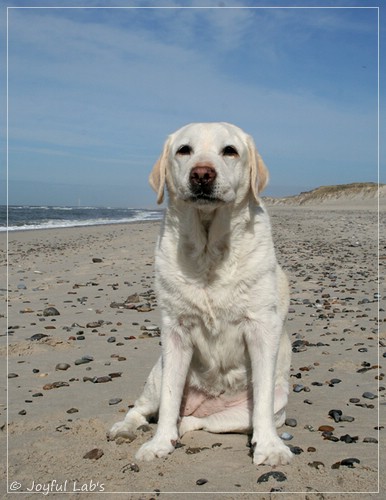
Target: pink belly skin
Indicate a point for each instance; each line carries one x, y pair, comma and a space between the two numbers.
200, 404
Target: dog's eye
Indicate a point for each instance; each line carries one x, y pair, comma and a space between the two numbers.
184, 150
230, 151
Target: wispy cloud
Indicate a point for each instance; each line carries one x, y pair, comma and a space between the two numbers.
111, 84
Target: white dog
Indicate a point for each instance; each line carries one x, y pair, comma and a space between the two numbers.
225, 355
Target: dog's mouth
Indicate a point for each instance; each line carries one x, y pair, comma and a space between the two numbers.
204, 199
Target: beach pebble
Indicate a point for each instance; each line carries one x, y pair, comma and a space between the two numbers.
134, 467
298, 388
326, 428
286, 436
335, 414
12, 375
111, 340
114, 401
38, 336
316, 465
62, 366
95, 324
94, 454
101, 380
55, 385
354, 400
97, 260
348, 439
346, 418
274, 474
291, 422
296, 450
369, 395
200, 482
22, 412
37, 394
81, 361
51, 311
72, 410
349, 462
370, 440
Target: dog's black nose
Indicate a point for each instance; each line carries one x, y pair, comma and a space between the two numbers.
202, 176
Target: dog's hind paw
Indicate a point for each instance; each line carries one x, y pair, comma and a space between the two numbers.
188, 424
156, 447
126, 427
273, 452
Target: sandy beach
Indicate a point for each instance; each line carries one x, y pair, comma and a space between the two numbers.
83, 334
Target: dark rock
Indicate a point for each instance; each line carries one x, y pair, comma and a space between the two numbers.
114, 401
291, 422
101, 380
62, 366
316, 464
94, 454
349, 439
200, 482
38, 336
335, 414
279, 476
95, 324
55, 385
370, 440
369, 395
51, 311
349, 462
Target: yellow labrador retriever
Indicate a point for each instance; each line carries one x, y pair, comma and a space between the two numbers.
225, 355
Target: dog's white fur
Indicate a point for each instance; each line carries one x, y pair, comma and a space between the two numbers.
225, 355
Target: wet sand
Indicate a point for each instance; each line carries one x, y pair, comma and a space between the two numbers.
85, 365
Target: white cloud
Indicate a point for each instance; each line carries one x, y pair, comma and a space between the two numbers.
113, 84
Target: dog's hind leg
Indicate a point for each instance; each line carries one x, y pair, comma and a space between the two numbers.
233, 419
145, 406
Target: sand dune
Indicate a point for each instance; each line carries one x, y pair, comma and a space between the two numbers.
359, 195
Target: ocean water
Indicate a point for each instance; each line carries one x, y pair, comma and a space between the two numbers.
45, 217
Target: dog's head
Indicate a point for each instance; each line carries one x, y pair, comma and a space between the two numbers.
209, 164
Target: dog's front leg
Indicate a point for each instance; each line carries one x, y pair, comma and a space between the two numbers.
262, 338
176, 358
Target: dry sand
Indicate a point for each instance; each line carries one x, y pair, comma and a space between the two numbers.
331, 259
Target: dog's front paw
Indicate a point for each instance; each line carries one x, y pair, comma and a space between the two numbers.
271, 452
156, 447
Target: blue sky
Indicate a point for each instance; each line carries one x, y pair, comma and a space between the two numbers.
93, 93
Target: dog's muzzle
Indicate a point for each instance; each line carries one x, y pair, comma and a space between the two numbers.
201, 181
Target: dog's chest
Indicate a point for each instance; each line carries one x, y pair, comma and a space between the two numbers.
211, 293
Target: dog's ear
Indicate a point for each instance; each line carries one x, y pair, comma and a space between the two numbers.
157, 176
258, 171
